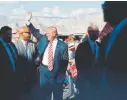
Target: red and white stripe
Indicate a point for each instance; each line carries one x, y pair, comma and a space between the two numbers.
50, 56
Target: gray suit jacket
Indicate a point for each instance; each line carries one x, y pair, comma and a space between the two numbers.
26, 67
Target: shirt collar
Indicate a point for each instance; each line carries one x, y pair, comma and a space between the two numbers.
55, 40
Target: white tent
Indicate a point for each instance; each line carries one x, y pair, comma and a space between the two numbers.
77, 24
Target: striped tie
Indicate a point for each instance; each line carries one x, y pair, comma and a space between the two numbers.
50, 56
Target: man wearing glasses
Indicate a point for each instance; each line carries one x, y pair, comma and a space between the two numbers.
27, 54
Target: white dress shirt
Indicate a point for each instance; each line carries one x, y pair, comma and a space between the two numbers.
45, 57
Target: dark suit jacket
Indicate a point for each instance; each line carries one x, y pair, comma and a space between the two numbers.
8, 81
102, 49
115, 65
61, 53
84, 57
116, 59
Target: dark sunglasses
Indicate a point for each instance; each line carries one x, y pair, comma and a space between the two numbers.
93, 31
27, 32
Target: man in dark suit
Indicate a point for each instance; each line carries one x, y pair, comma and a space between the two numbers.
53, 59
85, 61
102, 43
115, 53
27, 53
8, 69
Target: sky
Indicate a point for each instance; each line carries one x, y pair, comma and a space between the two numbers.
70, 16
49, 8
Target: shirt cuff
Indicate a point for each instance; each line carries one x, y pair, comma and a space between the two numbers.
27, 23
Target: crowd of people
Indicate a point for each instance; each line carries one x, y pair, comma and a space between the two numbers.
48, 68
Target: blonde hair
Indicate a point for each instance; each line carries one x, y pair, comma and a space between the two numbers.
51, 29
71, 38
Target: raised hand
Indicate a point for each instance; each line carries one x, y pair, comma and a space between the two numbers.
29, 16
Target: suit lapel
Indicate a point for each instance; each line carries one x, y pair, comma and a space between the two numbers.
43, 43
89, 45
114, 35
21, 47
57, 51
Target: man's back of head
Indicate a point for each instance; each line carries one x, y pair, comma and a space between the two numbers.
114, 11
93, 32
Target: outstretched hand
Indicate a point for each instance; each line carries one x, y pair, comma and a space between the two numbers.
29, 16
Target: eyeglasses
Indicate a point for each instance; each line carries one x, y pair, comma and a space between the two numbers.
26, 32
13, 33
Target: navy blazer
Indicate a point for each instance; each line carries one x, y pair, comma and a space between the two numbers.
8, 78
61, 53
84, 56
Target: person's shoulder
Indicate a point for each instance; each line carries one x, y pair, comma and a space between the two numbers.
16, 41
84, 42
13, 44
62, 42
31, 41
43, 37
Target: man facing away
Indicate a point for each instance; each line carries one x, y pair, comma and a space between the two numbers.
53, 61
87, 80
115, 53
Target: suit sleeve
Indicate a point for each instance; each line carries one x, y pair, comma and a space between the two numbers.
79, 57
65, 59
36, 57
35, 32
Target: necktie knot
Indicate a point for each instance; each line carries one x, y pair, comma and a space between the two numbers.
50, 42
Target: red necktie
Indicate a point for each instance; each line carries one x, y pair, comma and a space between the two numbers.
50, 56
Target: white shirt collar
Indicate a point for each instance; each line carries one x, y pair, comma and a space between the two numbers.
55, 40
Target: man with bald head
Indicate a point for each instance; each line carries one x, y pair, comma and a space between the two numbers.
27, 53
85, 62
86, 50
